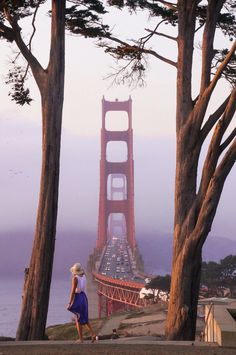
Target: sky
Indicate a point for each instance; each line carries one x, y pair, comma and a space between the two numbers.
154, 137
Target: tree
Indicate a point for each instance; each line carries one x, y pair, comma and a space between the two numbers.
50, 81
228, 273
195, 204
210, 275
160, 286
222, 274
160, 282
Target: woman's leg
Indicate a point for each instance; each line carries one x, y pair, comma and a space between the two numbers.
93, 335
80, 330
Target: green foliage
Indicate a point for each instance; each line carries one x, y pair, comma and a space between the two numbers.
228, 268
219, 274
230, 71
18, 93
226, 21
154, 8
11, 12
68, 331
167, 13
117, 3
19, 8
83, 18
160, 283
62, 332
227, 24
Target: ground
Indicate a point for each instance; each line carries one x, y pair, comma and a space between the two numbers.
135, 347
141, 332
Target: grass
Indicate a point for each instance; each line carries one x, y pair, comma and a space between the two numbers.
68, 331
2, 338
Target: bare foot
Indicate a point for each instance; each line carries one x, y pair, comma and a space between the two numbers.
93, 338
78, 341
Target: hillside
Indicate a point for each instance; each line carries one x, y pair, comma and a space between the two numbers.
156, 250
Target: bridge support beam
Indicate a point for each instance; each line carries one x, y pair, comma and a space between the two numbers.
102, 306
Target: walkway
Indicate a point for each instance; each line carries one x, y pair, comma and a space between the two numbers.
111, 323
122, 346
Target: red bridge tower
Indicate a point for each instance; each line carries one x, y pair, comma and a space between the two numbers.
116, 177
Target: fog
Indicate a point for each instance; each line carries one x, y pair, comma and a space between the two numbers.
154, 163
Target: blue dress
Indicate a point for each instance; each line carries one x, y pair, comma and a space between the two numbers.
80, 307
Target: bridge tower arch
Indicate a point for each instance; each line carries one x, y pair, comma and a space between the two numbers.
124, 171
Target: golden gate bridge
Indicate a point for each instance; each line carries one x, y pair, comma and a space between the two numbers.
116, 263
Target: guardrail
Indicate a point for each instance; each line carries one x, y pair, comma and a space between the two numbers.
126, 292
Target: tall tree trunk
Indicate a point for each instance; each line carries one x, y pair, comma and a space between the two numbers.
185, 282
37, 285
186, 263
194, 210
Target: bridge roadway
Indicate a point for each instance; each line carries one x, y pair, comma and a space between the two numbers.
118, 261
118, 282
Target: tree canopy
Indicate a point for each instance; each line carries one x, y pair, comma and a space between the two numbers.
135, 51
83, 18
160, 283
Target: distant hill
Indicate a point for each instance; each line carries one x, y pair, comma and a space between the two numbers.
72, 246
156, 249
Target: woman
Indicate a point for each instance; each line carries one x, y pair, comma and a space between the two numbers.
78, 302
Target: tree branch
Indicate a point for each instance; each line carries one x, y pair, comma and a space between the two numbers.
219, 71
199, 27
204, 98
121, 75
7, 32
31, 37
213, 11
142, 50
214, 151
212, 197
227, 162
168, 4
162, 34
160, 57
33, 24
36, 67
228, 140
146, 38
213, 118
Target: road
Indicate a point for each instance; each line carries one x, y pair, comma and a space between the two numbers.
118, 261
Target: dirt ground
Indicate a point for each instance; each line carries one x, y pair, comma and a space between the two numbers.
102, 348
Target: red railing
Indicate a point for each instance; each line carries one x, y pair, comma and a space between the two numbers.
115, 290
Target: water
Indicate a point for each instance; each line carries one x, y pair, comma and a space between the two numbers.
10, 303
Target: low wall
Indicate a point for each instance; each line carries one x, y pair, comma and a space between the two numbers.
220, 324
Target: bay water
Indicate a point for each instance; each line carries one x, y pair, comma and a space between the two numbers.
11, 296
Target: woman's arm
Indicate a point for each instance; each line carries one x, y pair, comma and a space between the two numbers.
72, 293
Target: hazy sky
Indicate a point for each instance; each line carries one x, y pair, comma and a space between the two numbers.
154, 138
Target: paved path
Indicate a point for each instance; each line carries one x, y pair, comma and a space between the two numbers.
112, 323
122, 346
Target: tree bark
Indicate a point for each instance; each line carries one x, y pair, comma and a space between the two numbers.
186, 263
37, 286
195, 210
185, 281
